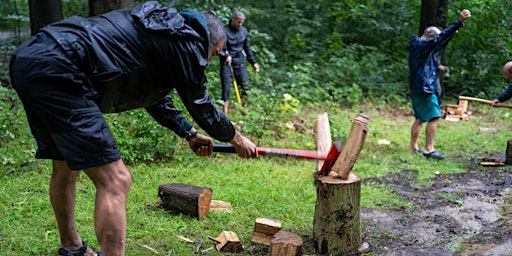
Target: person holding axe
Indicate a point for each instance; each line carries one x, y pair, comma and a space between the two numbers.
423, 75
507, 94
232, 59
74, 70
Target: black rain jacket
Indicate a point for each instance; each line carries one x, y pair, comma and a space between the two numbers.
135, 57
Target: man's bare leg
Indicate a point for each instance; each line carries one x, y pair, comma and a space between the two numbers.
112, 183
430, 132
62, 198
415, 133
226, 106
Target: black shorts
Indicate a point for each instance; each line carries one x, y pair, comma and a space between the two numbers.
66, 122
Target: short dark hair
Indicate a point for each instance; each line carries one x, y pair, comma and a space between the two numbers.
215, 28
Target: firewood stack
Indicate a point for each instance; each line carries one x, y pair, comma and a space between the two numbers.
456, 113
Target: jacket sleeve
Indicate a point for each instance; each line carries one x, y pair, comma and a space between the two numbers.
247, 49
168, 116
199, 104
506, 95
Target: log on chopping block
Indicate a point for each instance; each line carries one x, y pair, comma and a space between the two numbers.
336, 224
465, 98
508, 154
352, 148
182, 198
323, 137
264, 230
286, 243
228, 241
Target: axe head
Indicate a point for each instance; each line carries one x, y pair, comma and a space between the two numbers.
331, 158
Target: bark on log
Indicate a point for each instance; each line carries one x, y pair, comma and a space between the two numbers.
190, 200
336, 226
286, 243
352, 147
323, 137
508, 155
264, 230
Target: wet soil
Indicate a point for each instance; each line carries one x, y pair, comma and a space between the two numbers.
464, 214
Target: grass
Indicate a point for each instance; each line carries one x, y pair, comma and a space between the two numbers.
268, 187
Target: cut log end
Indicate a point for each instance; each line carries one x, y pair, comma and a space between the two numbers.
286, 243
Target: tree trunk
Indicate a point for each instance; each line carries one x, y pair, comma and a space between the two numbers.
97, 7
43, 13
336, 226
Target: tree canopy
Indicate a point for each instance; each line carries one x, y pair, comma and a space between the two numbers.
347, 51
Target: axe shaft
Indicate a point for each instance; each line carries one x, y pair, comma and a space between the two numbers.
306, 154
484, 101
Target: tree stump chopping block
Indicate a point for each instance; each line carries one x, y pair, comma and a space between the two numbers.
336, 227
286, 243
190, 200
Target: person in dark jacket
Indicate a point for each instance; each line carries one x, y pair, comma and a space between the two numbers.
507, 94
423, 77
74, 70
232, 59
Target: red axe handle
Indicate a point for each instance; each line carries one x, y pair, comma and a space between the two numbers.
307, 154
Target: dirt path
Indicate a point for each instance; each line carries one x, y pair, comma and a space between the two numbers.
459, 214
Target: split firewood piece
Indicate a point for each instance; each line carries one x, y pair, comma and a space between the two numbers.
286, 243
452, 118
264, 230
229, 242
182, 198
491, 162
216, 205
453, 109
353, 145
322, 137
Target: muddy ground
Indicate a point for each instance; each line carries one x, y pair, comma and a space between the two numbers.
459, 214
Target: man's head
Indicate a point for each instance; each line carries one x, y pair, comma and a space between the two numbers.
507, 70
430, 32
237, 19
217, 34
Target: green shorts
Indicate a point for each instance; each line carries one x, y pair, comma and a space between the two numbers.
425, 106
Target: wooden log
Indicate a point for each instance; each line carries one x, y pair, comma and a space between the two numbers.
286, 243
463, 104
352, 148
264, 230
323, 137
336, 225
221, 206
508, 154
228, 242
190, 200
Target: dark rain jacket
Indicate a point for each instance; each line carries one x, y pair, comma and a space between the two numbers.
423, 71
506, 95
135, 57
237, 46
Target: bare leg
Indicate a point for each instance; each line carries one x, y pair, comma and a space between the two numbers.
62, 198
226, 106
430, 132
415, 133
112, 183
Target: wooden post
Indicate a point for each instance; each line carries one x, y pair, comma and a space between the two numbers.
353, 145
286, 243
336, 226
186, 199
508, 154
323, 137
